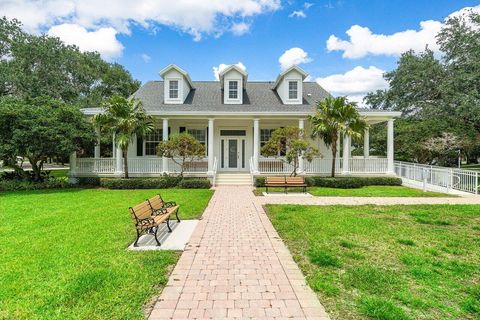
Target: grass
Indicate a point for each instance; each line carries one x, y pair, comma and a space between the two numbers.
63, 253
387, 262
60, 173
368, 191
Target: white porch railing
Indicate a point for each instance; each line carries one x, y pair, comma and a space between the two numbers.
323, 166
447, 178
215, 167
197, 166
136, 165
95, 165
145, 165
368, 165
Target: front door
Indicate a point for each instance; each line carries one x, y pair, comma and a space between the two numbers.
232, 153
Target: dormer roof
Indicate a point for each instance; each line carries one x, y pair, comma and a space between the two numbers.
287, 71
184, 73
236, 68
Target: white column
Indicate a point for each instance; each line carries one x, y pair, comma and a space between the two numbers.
96, 151
113, 146
366, 143
165, 138
211, 141
301, 164
73, 167
346, 154
256, 144
119, 161
390, 147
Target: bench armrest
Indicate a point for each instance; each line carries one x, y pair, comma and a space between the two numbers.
147, 222
160, 211
169, 204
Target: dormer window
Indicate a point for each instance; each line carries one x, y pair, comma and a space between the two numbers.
177, 84
233, 89
173, 89
289, 85
293, 90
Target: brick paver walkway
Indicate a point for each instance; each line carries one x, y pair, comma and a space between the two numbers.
236, 266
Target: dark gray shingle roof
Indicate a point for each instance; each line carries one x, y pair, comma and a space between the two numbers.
207, 97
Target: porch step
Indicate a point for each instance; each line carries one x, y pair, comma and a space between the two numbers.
224, 179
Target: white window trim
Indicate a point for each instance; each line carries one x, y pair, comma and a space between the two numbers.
180, 91
288, 90
230, 90
206, 133
226, 89
144, 142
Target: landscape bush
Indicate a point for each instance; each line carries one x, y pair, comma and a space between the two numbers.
343, 182
19, 185
164, 182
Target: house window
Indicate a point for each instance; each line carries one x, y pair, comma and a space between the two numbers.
265, 135
173, 89
292, 90
152, 140
199, 134
233, 89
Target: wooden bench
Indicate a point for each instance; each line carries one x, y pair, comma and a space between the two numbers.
285, 182
148, 216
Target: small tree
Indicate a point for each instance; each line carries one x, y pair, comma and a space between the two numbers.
292, 142
182, 146
38, 129
124, 118
335, 116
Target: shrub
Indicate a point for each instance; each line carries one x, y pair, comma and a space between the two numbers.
164, 182
52, 183
195, 184
260, 182
343, 182
88, 181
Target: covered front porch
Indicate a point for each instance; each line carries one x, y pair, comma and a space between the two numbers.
233, 145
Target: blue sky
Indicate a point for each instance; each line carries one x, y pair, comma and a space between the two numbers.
199, 35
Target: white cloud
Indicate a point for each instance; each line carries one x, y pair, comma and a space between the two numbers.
197, 18
240, 28
293, 56
102, 40
362, 41
307, 5
297, 14
223, 66
355, 83
146, 58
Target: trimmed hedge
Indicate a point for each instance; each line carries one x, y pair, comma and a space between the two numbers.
343, 182
154, 183
52, 183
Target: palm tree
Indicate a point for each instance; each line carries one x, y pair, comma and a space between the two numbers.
337, 116
124, 118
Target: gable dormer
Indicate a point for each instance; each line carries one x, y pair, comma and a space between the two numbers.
233, 81
289, 85
177, 84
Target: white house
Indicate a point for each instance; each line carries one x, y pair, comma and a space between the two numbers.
233, 117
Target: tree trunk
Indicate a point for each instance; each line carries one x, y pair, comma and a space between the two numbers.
36, 170
125, 163
334, 154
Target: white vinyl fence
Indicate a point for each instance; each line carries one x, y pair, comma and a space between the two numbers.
447, 178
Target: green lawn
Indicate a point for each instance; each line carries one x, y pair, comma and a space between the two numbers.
387, 262
63, 253
368, 191
60, 173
